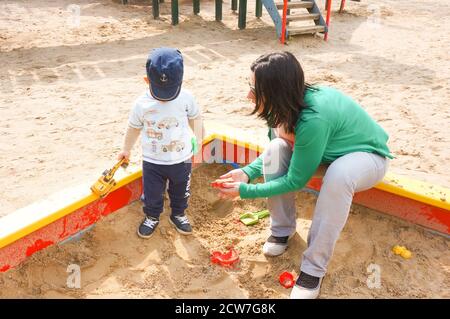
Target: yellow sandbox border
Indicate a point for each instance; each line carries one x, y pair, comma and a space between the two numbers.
10, 224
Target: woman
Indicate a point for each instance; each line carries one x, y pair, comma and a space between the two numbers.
310, 126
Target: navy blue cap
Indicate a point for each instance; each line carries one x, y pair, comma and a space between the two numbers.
165, 72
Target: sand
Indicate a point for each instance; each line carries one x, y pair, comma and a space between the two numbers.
66, 91
115, 262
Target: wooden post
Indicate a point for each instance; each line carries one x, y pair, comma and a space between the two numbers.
218, 10
196, 6
258, 9
124, 1
283, 22
174, 12
233, 5
325, 37
342, 6
242, 14
155, 8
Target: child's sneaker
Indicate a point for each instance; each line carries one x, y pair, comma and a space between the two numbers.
181, 223
147, 227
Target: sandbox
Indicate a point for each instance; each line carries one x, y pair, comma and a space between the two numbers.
115, 262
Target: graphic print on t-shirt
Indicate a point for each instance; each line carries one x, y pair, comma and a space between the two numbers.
166, 135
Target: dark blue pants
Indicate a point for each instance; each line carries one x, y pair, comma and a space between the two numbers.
155, 180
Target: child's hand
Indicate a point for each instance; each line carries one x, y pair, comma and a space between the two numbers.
124, 154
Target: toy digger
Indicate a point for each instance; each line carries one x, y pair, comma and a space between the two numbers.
106, 182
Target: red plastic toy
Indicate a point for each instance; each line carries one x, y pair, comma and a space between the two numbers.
287, 280
218, 183
225, 259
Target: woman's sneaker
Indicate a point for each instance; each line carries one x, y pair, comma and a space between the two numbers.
275, 246
306, 287
181, 223
147, 227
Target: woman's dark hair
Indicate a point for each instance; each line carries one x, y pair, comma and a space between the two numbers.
280, 88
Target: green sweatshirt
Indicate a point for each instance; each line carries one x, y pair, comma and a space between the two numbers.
333, 125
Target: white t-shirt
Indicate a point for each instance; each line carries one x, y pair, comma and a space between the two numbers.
166, 136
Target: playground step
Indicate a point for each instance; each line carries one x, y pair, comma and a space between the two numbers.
302, 17
295, 5
305, 29
304, 11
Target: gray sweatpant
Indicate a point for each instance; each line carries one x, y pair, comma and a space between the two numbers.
348, 174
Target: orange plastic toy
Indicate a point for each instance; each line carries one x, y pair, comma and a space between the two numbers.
218, 183
287, 280
227, 259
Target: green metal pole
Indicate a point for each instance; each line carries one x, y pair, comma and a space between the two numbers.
218, 10
242, 14
258, 10
234, 5
155, 7
174, 12
196, 6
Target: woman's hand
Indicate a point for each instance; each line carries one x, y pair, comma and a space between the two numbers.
231, 189
237, 175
